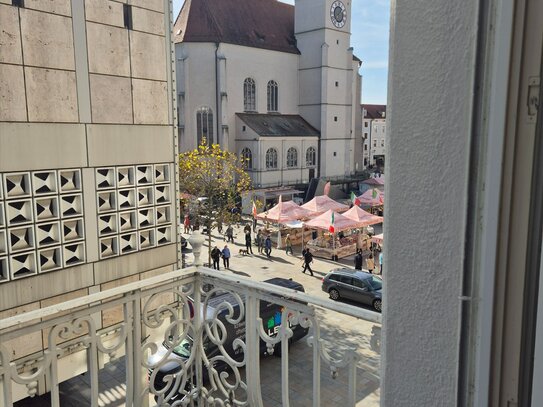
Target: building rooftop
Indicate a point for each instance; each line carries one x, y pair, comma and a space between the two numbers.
279, 125
374, 111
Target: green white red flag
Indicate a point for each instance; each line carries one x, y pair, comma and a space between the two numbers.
374, 193
331, 228
354, 199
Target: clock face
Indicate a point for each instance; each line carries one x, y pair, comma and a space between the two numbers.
338, 14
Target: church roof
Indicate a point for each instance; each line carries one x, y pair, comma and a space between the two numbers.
278, 125
267, 24
375, 111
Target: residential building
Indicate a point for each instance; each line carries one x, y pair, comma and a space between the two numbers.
274, 82
373, 135
87, 157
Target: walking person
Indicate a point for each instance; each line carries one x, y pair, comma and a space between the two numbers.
358, 260
216, 257
381, 263
226, 257
260, 241
268, 246
308, 259
186, 223
247, 228
248, 245
230, 234
288, 245
370, 264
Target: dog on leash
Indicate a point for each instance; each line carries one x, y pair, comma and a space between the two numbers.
243, 252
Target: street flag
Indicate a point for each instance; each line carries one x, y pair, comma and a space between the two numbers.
354, 199
327, 188
254, 209
331, 228
374, 193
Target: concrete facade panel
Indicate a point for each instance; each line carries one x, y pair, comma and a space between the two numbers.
114, 315
111, 99
108, 50
10, 36
26, 344
29, 146
150, 102
156, 5
62, 7
51, 95
104, 11
122, 144
12, 93
148, 21
147, 56
47, 40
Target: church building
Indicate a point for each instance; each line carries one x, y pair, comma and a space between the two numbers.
274, 82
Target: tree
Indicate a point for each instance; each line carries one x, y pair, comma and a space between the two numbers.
220, 177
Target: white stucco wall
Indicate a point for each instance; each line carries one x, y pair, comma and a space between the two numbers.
431, 62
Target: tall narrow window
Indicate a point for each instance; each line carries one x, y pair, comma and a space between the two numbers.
249, 95
247, 157
310, 157
292, 157
273, 96
271, 158
204, 125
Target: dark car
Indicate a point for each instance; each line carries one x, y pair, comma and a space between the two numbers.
354, 285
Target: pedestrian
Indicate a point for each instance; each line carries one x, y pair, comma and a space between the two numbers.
247, 228
226, 257
230, 234
248, 246
308, 259
288, 245
216, 257
186, 223
260, 241
370, 264
358, 260
268, 245
381, 263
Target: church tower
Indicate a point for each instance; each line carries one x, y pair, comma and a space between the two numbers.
327, 80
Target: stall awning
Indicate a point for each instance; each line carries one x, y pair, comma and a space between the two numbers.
360, 215
322, 203
378, 239
372, 197
324, 221
284, 212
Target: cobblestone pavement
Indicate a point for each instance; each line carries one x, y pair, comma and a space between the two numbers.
337, 330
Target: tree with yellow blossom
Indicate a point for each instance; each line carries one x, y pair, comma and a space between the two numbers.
218, 175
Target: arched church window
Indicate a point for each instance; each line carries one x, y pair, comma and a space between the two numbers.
204, 125
247, 157
249, 95
271, 158
310, 157
292, 157
273, 96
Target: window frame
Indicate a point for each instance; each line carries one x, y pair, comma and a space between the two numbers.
249, 162
271, 158
249, 95
292, 157
204, 113
313, 151
273, 96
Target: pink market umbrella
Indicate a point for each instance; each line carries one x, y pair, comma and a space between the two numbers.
324, 221
372, 197
364, 218
321, 204
377, 181
377, 239
284, 212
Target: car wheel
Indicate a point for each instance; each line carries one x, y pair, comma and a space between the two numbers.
377, 305
334, 294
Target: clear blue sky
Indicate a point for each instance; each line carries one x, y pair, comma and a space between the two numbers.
369, 28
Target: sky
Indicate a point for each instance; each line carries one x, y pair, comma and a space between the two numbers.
369, 38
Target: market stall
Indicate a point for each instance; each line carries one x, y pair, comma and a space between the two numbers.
378, 239
322, 203
374, 199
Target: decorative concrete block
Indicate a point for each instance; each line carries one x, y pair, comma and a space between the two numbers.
109, 247
73, 254
104, 11
10, 36
128, 243
150, 99
47, 40
46, 208
107, 224
48, 234
163, 215
23, 265
126, 199
162, 173
2, 217
44, 182
73, 230
69, 180
3, 242
19, 212
145, 196
148, 21
162, 194
111, 99
108, 50
105, 178
106, 201
4, 270
17, 185
49, 259
127, 221
62, 7
144, 174
163, 235
146, 239
146, 218
125, 177
71, 205
12, 93
52, 95
21, 239
147, 56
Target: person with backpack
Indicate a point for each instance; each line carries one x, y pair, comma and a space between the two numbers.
230, 234
308, 259
268, 246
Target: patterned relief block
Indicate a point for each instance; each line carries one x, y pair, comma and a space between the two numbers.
125, 177
127, 221
69, 180
163, 215
107, 224
145, 196
22, 265
106, 201
162, 173
126, 199
46, 208
163, 235
49, 259
1, 187
146, 239
3, 242
109, 247
73, 254
146, 218
21, 239
4, 269
105, 178
2, 217
162, 194
17, 185
47, 234
19, 212
128, 243
44, 182
71, 205
72, 230
144, 174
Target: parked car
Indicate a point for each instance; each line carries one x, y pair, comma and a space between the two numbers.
354, 285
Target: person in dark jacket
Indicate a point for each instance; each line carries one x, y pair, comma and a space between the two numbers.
226, 257
248, 245
268, 246
358, 259
216, 257
308, 259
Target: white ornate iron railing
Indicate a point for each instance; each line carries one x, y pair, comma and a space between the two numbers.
194, 312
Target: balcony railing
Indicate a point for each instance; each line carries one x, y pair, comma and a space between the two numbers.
187, 310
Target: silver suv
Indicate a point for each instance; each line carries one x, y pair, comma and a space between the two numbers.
354, 285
